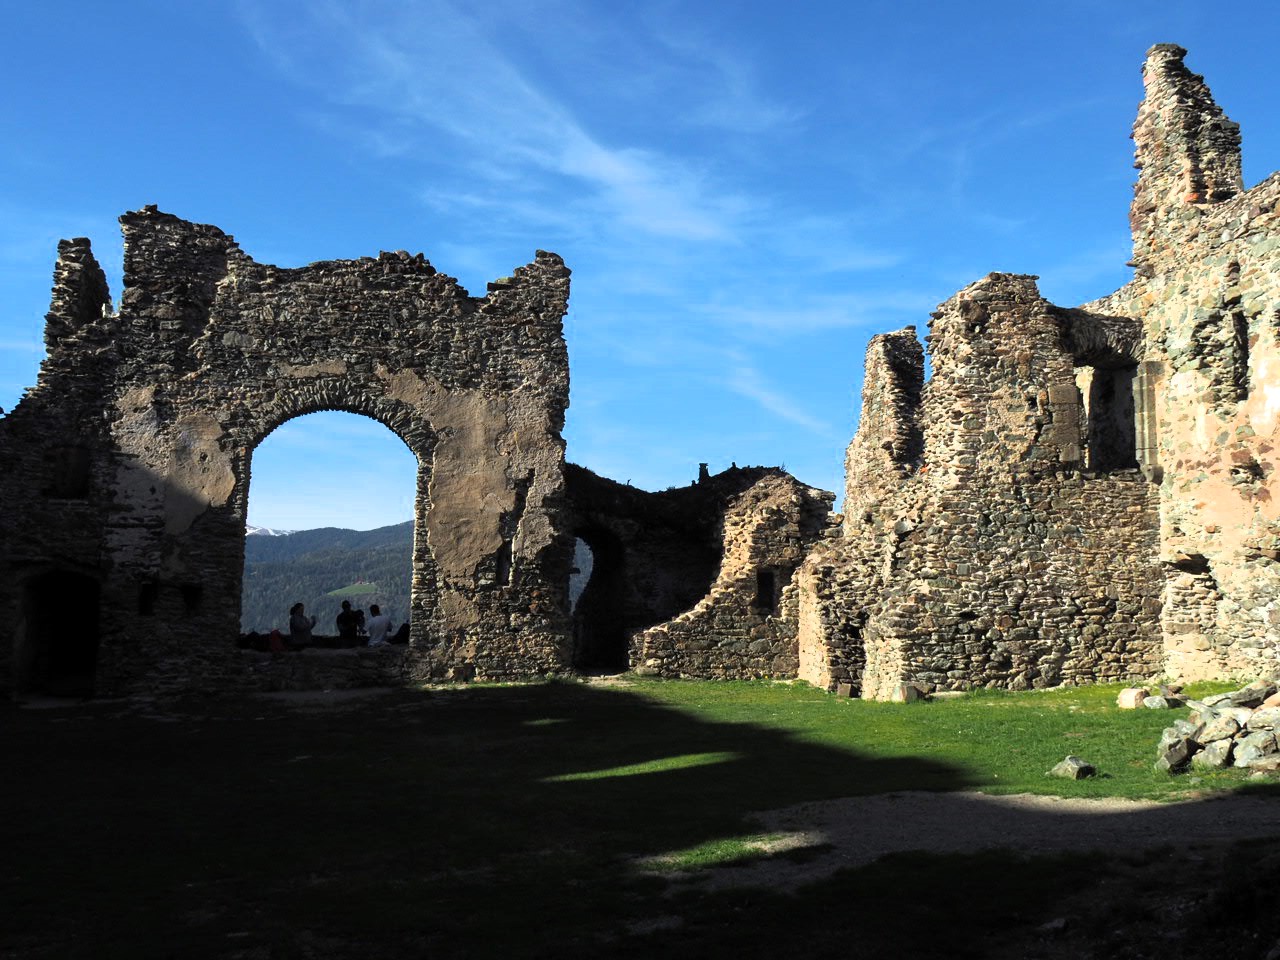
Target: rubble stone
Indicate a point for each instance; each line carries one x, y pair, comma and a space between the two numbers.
1175, 757
1214, 756
1131, 698
1073, 768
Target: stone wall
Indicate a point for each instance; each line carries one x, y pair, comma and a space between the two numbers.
1095, 497
995, 558
1077, 494
1206, 292
679, 578
124, 514
745, 627
134, 450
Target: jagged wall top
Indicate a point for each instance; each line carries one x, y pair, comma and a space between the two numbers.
1186, 148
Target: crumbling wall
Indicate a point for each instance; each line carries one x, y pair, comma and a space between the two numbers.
653, 555
844, 577
745, 627
162, 405
1096, 496
677, 576
1206, 292
998, 560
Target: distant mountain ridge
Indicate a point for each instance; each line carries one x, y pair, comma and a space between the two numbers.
284, 568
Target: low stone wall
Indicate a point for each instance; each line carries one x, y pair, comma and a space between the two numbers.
320, 669
745, 627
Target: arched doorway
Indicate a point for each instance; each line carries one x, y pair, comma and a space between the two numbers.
330, 517
59, 634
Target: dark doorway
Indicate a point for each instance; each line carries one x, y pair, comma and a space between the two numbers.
1110, 431
597, 612
59, 634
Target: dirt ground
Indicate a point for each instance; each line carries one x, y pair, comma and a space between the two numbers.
855, 831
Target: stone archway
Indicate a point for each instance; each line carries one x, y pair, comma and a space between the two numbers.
167, 398
403, 421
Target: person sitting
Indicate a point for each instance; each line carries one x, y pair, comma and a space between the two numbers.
379, 626
348, 625
300, 627
402, 635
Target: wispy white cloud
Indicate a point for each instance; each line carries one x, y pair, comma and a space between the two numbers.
798, 314
435, 72
732, 99
745, 380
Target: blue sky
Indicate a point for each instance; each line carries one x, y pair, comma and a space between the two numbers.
745, 192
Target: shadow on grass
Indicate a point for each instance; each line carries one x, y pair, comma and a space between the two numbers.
490, 821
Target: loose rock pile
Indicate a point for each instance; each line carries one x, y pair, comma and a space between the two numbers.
1227, 729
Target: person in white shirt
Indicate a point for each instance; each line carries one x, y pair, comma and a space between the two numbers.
379, 626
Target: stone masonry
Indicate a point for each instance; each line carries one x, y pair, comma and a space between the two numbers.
1076, 494
122, 512
129, 462
693, 581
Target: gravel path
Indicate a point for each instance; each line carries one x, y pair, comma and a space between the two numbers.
860, 830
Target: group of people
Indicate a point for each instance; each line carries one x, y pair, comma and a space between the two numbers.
353, 627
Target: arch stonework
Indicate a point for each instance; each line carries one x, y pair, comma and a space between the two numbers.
209, 352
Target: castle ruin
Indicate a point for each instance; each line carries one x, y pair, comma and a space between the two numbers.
1076, 494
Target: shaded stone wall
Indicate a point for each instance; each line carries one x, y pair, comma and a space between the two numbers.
745, 627
162, 404
675, 588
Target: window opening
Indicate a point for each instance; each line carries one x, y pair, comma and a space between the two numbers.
68, 473
1109, 430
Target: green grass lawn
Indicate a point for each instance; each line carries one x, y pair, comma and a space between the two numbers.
512, 821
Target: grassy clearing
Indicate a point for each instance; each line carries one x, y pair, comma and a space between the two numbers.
514, 821
993, 741
353, 590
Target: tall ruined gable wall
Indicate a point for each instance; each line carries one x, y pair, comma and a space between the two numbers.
53, 489
211, 351
889, 445
1002, 562
841, 580
1207, 292
1097, 497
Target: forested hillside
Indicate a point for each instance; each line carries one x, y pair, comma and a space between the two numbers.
364, 566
